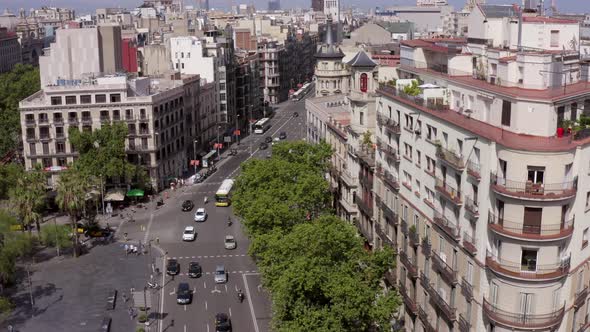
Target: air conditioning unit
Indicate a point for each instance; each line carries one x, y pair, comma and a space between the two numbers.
418, 131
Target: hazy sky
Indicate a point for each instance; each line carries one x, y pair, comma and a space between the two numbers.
87, 6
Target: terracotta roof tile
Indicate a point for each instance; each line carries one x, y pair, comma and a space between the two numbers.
545, 19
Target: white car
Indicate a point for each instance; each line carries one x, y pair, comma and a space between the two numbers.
189, 234
220, 275
200, 215
230, 242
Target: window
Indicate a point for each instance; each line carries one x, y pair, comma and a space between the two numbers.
364, 82
409, 122
408, 151
361, 118
100, 98
430, 165
587, 199
469, 274
580, 284
85, 99
417, 190
554, 38
506, 112
536, 174
33, 149
431, 134
407, 179
405, 213
70, 100
55, 100
528, 261
429, 195
418, 129
115, 98
585, 238
418, 158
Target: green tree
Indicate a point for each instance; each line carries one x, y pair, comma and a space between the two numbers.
322, 279
102, 152
278, 193
13, 245
72, 188
413, 89
8, 174
15, 86
27, 197
313, 156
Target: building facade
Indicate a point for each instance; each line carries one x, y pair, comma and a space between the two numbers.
10, 53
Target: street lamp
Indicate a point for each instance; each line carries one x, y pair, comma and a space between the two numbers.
218, 129
97, 145
237, 128
195, 154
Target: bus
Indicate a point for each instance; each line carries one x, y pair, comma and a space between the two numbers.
301, 93
262, 126
223, 194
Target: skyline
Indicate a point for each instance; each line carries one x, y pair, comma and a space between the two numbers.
86, 6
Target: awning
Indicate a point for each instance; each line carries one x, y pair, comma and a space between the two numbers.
210, 154
135, 193
428, 86
115, 195
55, 168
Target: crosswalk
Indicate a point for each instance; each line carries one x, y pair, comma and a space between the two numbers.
205, 256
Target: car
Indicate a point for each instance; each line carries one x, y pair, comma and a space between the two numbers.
173, 268
263, 146
105, 325
194, 270
283, 135
187, 205
184, 295
220, 275
189, 234
200, 215
229, 242
222, 323
268, 139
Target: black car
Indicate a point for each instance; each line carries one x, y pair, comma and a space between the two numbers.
187, 205
268, 139
295, 114
283, 135
263, 146
222, 323
173, 268
184, 295
194, 270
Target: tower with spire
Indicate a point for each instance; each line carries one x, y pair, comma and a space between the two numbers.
332, 76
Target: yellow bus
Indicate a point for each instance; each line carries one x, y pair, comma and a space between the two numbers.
223, 194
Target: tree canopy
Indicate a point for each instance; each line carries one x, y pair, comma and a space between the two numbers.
27, 196
15, 86
313, 263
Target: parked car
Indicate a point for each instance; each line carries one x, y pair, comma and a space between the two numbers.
268, 139
220, 275
295, 114
229, 242
283, 135
189, 234
222, 323
173, 268
184, 295
263, 146
200, 215
187, 205
194, 270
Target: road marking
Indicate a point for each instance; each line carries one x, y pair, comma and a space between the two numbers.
173, 291
250, 304
224, 255
184, 327
161, 321
185, 310
215, 290
147, 232
205, 305
230, 311
204, 284
193, 257
207, 327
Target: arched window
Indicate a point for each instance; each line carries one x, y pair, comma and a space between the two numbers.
364, 82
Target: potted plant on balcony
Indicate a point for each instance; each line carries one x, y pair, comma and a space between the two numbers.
413, 229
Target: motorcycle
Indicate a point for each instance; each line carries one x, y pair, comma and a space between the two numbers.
240, 296
153, 285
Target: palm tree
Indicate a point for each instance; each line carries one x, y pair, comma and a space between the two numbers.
27, 197
72, 188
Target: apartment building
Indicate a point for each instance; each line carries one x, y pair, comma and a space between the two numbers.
332, 75
482, 177
10, 53
155, 111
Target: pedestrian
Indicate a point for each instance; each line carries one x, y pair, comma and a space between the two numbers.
172, 322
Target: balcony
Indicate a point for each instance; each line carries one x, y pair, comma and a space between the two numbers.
450, 158
105, 119
44, 137
389, 179
143, 118
389, 124
469, 244
410, 264
409, 299
129, 118
474, 170
511, 319
404, 227
425, 321
471, 206
73, 121
143, 132
58, 121
366, 156
466, 289
529, 271
384, 237
448, 192
426, 247
31, 138
391, 278
365, 207
43, 121
87, 120
448, 273
30, 122
451, 229
388, 213
447, 311
366, 181
388, 150
414, 237
580, 297
534, 191
543, 232
464, 325
367, 234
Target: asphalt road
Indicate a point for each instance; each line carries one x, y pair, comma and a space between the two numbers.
167, 223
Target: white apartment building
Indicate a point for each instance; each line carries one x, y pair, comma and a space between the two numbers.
480, 184
153, 109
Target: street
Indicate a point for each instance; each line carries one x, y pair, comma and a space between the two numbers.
167, 223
